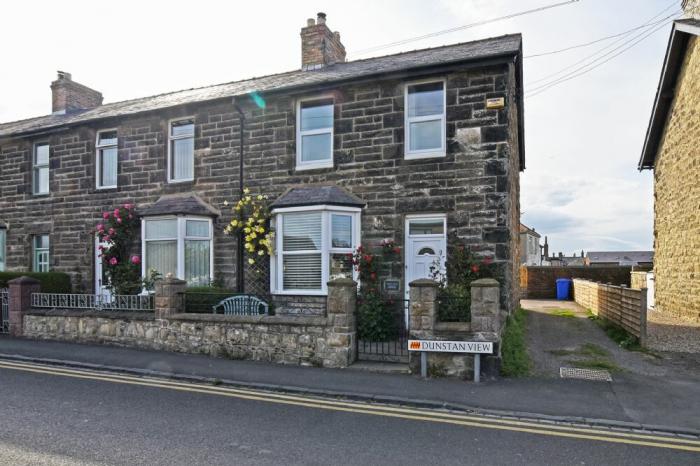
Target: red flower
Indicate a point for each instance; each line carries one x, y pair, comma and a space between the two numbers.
397, 250
135, 260
119, 220
373, 276
113, 261
367, 258
475, 268
112, 231
105, 215
116, 212
487, 260
128, 206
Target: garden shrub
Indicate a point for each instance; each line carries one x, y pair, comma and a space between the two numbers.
51, 282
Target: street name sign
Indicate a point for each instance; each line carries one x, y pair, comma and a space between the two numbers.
477, 347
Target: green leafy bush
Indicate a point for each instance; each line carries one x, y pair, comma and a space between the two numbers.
375, 321
515, 361
51, 282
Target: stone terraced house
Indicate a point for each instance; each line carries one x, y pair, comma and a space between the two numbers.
423, 147
671, 150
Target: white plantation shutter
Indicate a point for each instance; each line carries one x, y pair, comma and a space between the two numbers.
301, 250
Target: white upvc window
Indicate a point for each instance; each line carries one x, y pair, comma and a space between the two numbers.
181, 150
313, 245
314, 133
40, 168
425, 117
40, 246
3, 248
181, 245
107, 159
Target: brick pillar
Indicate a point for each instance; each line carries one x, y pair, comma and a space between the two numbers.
169, 297
21, 290
341, 335
485, 306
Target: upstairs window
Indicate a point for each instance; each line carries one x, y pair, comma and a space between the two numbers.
314, 245
179, 245
107, 159
3, 248
425, 120
40, 169
314, 134
41, 253
181, 150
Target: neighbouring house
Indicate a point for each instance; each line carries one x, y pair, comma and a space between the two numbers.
671, 150
530, 253
642, 259
423, 148
560, 260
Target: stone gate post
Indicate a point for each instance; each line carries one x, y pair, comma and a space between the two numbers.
485, 306
20, 302
169, 297
341, 334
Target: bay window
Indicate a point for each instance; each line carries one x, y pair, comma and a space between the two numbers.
313, 245
181, 150
107, 159
178, 245
314, 134
425, 120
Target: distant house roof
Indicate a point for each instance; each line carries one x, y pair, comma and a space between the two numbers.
180, 204
526, 229
317, 195
507, 47
620, 257
682, 30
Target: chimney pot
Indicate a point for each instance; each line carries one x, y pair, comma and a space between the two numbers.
64, 75
321, 18
310, 22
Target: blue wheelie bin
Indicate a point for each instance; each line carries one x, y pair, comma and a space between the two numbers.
563, 289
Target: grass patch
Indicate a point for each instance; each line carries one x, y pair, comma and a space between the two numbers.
596, 363
591, 349
515, 361
563, 313
561, 352
617, 334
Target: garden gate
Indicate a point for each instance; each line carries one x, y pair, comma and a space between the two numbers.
382, 330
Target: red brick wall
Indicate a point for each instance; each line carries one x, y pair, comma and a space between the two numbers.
540, 282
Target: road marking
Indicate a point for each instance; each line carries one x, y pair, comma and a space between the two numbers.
478, 421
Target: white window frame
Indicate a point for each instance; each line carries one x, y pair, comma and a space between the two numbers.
172, 138
36, 166
316, 163
180, 239
36, 263
425, 153
276, 272
3, 249
98, 158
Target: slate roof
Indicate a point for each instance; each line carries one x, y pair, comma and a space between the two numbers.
317, 195
682, 30
621, 257
497, 47
527, 229
182, 204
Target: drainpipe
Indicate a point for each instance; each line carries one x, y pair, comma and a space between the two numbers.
240, 269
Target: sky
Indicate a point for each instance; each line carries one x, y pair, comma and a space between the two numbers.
583, 137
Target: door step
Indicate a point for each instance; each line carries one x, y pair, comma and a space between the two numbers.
381, 367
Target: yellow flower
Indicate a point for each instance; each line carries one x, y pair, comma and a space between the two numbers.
261, 220
253, 235
260, 197
251, 261
225, 203
246, 190
247, 229
261, 252
238, 207
234, 222
247, 198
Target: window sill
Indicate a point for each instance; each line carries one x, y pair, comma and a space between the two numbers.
315, 166
106, 188
423, 155
188, 180
41, 194
300, 293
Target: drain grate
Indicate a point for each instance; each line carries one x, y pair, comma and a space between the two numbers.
585, 374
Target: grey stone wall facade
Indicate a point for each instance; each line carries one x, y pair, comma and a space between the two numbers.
476, 184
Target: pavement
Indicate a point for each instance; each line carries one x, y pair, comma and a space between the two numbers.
598, 403
56, 416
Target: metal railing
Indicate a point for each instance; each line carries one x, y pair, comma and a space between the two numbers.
139, 303
4, 310
451, 308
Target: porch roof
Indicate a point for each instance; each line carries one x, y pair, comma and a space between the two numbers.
317, 195
179, 204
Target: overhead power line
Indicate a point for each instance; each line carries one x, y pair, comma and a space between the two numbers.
647, 24
460, 28
563, 79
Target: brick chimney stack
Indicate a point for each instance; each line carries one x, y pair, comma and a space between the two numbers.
69, 96
319, 46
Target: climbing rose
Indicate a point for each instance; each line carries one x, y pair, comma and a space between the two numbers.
128, 206
475, 268
112, 231
119, 220
113, 261
100, 227
116, 212
105, 215
397, 250
135, 260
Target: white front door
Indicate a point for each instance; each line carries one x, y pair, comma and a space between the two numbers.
100, 278
426, 247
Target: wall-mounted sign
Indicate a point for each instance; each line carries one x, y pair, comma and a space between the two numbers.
392, 284
478, 347
495, 103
